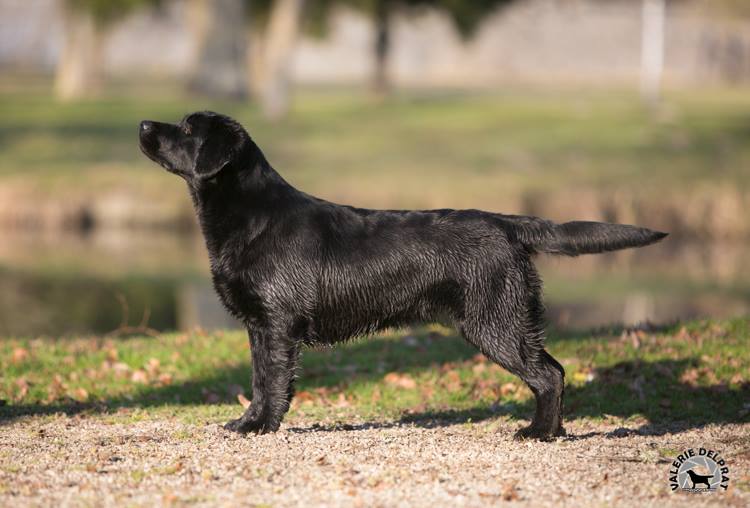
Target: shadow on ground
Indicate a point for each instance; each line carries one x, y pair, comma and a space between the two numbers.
654, 390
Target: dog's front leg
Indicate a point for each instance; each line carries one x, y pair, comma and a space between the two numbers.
274, 359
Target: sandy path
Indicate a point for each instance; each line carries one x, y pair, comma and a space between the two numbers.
86, 461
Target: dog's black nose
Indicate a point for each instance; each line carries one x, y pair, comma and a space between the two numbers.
146, 126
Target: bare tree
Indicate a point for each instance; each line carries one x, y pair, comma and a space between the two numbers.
79, 70
382, 15
280, 36
220, 31
652, 49
466, 16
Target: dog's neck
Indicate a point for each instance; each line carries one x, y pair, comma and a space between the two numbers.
240, 198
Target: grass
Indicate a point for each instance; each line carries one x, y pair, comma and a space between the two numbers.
444, 149
697, 373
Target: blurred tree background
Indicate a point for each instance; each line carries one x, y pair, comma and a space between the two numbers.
86, 21
225, 29
632, 111
230, 33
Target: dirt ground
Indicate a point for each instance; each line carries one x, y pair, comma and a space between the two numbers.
73, 461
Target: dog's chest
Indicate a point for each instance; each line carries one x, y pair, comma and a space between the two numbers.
237, 292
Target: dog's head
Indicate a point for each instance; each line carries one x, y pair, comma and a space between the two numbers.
198, 148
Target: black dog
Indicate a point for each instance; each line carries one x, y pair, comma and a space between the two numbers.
298, 270
700, 478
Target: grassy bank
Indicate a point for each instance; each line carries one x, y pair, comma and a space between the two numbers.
592, 154
695, 373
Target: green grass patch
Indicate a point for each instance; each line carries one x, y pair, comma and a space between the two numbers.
698, 372
444, 149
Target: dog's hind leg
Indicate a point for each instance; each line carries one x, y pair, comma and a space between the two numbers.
541, 372
274, 362
291, 364
546, 378
510, 333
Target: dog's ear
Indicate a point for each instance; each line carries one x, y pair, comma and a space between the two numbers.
216, 153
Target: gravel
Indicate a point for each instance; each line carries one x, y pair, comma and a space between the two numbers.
73, 461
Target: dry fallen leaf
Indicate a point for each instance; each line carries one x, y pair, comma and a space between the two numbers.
23, 388
340, 401
375, 397
709, 374
683, 334
507, 389
56, 388
452, 381
121, 370
81, 395
690, 377
484, 388
243, 400
152, 367
20, 355
112, 355
303, 398
139, 376
404, 381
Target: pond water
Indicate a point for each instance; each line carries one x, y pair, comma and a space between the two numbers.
126, 282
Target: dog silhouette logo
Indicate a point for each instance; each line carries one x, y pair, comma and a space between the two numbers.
701, 470
698, 479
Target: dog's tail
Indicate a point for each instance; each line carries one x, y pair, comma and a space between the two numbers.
578, 237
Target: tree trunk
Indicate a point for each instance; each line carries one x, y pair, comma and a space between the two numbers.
281, 37
652, 49
220, 31
380, 80
79, 70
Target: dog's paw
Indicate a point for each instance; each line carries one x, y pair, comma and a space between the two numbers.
527, 433
237, 425
245, 425
531, 432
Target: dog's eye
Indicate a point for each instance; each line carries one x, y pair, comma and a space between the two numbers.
186, 129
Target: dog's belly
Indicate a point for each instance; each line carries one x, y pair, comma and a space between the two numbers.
349, 312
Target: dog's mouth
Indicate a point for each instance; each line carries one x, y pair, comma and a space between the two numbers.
149, 145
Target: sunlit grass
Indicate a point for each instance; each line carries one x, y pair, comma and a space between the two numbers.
699, 372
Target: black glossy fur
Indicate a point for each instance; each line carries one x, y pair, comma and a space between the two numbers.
299, 270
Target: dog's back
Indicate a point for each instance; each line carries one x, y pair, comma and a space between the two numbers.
383, 269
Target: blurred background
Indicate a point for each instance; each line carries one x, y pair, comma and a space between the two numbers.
633, 111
